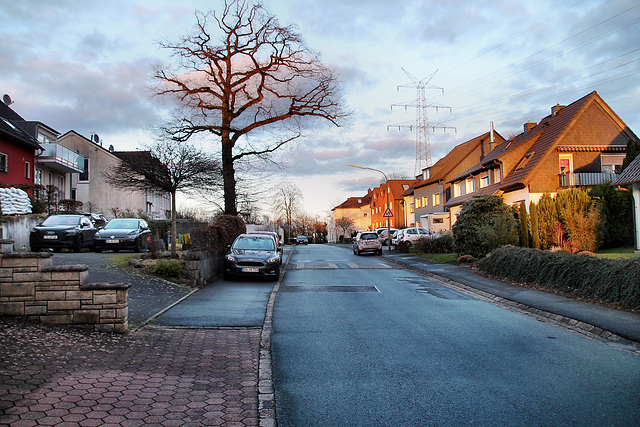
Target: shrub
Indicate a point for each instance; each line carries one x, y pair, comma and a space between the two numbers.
438, 245
612, 281
218, 236
484, 224
171, 268
533, 218
403, 247
617, 208
524, 226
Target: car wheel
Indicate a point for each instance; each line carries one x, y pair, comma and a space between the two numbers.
98, 250
136, 246
78, 246
358, 252
408, 243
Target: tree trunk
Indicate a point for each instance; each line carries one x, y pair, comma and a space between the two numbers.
228, 176
173, 225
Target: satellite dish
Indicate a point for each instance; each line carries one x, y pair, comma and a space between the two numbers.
111, 149
7, 99
95, 138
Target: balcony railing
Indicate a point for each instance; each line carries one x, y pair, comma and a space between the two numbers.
61, 158
582, 179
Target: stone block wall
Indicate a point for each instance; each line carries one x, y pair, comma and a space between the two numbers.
31, 287
201, 266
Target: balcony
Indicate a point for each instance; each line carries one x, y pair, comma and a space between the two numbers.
60, 159
583, 179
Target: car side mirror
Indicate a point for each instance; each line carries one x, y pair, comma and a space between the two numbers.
228, 248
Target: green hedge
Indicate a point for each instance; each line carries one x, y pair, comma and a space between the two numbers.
613, 281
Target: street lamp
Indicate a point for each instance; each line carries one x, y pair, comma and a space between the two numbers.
388, 207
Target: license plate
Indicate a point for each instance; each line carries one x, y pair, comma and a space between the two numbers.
50, 237
250, 270
113, 241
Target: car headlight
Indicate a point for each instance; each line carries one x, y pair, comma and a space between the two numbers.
230, 258
273, 259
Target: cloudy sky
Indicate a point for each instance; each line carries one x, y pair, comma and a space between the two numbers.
86, 66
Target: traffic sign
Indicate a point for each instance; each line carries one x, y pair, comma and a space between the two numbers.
388, 213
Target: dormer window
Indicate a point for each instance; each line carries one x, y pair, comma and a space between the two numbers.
523, 162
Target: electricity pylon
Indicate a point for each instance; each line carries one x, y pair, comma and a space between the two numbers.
423, 143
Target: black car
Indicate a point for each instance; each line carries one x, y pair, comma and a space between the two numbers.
252, 255
63, 231
123, 233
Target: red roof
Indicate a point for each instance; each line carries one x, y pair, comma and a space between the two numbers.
354, 203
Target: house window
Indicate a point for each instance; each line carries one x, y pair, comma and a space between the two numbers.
3, 162
612, 163
496, 175
365, 214
436, 199
84, 175
411, 208
418, 203
471, 185
425, 201
484, 179
566, 163
523, 162
457, 189
74, 194
39, 176
27, 170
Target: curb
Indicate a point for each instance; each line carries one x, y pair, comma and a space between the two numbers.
266, 392
568, 323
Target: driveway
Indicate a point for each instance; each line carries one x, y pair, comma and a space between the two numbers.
147, 296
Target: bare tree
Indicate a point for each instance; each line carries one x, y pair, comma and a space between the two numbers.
286, 203
257, 77
167, 167
345, 223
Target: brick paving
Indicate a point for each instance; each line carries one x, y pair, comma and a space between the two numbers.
155, 376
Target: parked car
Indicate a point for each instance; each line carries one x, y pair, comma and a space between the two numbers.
63, 231
382, 232
302, 240
276, 238
367, 241
410, 235
123, 233
252, 255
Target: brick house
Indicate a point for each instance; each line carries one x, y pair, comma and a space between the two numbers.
356, 208
581, 144
427, 196
395, 188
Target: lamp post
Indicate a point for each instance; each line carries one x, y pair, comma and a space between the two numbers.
388, 207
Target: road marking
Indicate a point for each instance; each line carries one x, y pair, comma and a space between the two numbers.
335, 266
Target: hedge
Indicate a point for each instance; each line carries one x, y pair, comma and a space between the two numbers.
613, 281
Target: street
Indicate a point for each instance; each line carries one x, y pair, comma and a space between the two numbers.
358, 343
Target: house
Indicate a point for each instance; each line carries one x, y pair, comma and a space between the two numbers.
17, 150
389, 196
631, 175
357, 209
580, 144
90, 186
428, 195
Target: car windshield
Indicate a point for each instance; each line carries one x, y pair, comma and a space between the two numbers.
61, 220
122, 224
254, 244
369, 236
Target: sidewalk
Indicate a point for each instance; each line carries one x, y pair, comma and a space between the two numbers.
598, 320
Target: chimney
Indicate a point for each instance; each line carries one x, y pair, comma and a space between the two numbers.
555, 110
492, 140
529, 125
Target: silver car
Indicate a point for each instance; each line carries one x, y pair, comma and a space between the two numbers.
410, 235
367, 241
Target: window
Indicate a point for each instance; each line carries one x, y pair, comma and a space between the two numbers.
39, 176
484, 179
566, 163
84, 175
61, 187
496, 175
418, 203
612, 162
438, 220
365, 214
425, 201
471, 185
457, 189
436, 199
523, 162
27, 170
3, 162
411, 208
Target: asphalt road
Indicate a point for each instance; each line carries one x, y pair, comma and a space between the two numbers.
355, 343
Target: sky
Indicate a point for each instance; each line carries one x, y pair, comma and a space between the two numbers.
86, 66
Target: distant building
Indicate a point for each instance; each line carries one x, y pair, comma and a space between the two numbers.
356, 208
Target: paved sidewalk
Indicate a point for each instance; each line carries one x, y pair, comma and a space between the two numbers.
167, 377
615, 325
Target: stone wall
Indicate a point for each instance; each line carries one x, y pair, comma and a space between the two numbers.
201, 266
32, 288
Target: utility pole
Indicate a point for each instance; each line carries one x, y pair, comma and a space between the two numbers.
423, 143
